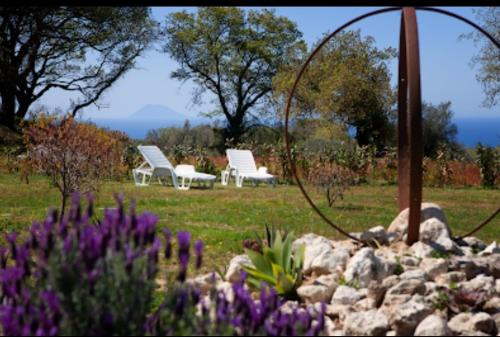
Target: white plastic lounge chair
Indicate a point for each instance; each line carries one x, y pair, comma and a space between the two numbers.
242, 166
156, 165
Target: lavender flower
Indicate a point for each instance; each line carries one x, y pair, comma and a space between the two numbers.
168, 243
198, 247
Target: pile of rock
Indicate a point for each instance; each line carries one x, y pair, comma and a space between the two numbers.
393, 289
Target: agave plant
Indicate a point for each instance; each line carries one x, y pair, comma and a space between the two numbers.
277, 265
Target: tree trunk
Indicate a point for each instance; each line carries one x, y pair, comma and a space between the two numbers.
8, 109
235, 129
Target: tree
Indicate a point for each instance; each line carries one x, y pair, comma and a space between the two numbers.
438, 130
75, 156
348, 81
46, 48
489, 56
232, 54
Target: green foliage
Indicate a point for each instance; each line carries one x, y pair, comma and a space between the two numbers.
399, 267
488, 159
277, 265
489, 56
354, 283
232, 54
348, 81
438, 254
440, 301
438, 130
82, 50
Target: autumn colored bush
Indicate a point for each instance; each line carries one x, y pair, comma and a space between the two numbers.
75, 156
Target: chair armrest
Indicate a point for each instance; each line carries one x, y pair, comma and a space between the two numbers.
262, 169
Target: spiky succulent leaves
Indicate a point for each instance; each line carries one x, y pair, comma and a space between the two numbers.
278, 265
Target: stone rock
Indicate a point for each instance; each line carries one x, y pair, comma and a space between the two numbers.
376, 292
315, 246
496, 318
452, 276
433, 325
472, 241
409, 261
421, 249
468, 322
414, 274
405, 317
490, 264
497, 286
227, 289
493, 248
368, 323
321, 290
330, 261
428, 211
350, 245
468, 266
235, 267
330, 326
365, 304
390, 281
338, 311
364, 266
407, 287
376, 233
480, 282
391, 333
345, 295
484, 323
289, 306
492, 306
205, 282
434, 267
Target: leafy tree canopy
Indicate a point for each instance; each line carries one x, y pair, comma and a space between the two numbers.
348, 81
234, 55
489, 56
83, 50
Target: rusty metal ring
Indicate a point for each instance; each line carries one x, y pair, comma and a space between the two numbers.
307, 62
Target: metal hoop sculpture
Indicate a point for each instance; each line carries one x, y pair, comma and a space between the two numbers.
410, 150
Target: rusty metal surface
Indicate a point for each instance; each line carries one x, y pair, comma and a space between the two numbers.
411, 158
410, 151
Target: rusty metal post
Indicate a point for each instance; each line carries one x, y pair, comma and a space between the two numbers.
410, 122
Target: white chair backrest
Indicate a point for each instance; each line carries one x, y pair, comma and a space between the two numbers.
154, 157
242, 160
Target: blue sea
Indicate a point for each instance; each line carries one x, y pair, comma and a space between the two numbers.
470, 130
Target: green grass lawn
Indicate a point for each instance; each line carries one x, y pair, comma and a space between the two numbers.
223, 217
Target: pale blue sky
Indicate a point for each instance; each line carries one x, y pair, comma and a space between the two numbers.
445, 63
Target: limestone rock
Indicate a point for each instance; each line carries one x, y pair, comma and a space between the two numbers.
235, 267
376, 233
330, 261
480, 282
414, 274
452, 276
428, 211
421, 249
405, 317
464, 323
321, 290
407, 287
434, 267
205, 282
364, 266
493, 248
368, 323
345, 295
315, 246
433, 325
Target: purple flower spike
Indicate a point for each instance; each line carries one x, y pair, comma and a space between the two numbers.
198, 247
168, 243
